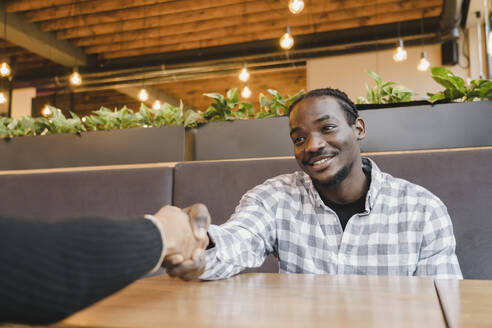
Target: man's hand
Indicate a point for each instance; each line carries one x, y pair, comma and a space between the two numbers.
186, 238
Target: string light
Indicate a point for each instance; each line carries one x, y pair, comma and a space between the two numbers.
5, 69
246, 93
424, 64
244, 74
296, 6
3, 100
489, 48
75, 77
286, 41
46, 111
157, 105
143, 95
400, 52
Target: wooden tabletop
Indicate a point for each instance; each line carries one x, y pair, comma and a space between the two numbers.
466, 303
269, 300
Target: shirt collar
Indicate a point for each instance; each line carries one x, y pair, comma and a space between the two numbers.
368, 166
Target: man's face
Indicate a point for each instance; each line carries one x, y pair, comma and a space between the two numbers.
325, 145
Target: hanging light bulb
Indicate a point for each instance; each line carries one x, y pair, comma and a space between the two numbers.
244, 74
286, 41
143, 95
5, 69
157, 104
400, 52
46, 111
424, 64
296, 6
489, 48
75, 77
3, 100
246, 93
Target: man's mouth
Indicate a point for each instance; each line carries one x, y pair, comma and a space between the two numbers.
321, 162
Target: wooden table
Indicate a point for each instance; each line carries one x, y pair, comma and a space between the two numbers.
269, 300
466, 303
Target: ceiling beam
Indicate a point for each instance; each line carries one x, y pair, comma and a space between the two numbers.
27, 35
223, 37
154, 94
196, 21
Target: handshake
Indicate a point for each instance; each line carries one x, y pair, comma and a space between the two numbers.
185, 239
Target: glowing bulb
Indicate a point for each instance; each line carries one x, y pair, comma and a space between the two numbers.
246, 93
490, 43
143, 95
286, 41
75, 77
424, 64
296, 6
4, 69
46, 111
400, 52
3, 100
157, 104
84, 119
244, 74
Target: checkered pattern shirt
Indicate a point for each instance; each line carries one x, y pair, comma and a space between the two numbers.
404, 230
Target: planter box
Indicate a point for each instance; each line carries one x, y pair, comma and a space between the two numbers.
127, 146
408, 126
266, 137
445, 125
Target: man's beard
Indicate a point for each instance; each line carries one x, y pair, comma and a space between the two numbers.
341, 175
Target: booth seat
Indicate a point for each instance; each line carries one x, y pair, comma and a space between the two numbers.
108, 191
462, 178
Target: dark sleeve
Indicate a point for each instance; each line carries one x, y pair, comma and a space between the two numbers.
51, 270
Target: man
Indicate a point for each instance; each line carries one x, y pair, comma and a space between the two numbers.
51, 270
341, 215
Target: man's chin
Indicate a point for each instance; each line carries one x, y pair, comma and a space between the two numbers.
330, 176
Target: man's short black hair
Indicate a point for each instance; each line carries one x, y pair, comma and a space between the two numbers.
343, 100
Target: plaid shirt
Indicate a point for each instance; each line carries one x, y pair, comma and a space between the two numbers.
405, 230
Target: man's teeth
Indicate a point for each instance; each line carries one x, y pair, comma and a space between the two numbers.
321, 161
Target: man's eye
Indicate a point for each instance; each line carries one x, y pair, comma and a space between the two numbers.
298, 140
327, 128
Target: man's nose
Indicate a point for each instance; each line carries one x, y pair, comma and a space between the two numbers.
314, 143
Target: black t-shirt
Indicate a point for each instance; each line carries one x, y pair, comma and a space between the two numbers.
346, 211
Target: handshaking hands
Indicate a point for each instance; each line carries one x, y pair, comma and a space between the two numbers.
185, 238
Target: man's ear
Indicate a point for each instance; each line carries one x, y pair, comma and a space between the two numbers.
360, 128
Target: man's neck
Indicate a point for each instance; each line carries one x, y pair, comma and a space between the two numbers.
353, 187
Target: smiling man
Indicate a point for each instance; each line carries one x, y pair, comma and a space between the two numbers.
341, 215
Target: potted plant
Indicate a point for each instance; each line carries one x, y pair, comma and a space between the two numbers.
104, 138
402, 124
236, 131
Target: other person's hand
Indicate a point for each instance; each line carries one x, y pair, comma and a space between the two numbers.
186, 238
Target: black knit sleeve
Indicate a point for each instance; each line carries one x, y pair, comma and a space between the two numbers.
51, 270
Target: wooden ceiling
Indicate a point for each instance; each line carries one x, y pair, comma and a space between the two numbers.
132, 31
125, 28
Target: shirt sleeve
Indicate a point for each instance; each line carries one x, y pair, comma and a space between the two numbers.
437, 251
51, 270
242, 242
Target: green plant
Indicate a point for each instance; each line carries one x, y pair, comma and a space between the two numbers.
277, 106
105, 119
166, 115
385, 92
456, 89
227, 108
58, 123
4, 121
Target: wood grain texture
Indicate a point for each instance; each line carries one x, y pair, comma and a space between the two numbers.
269, 300
466, 303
